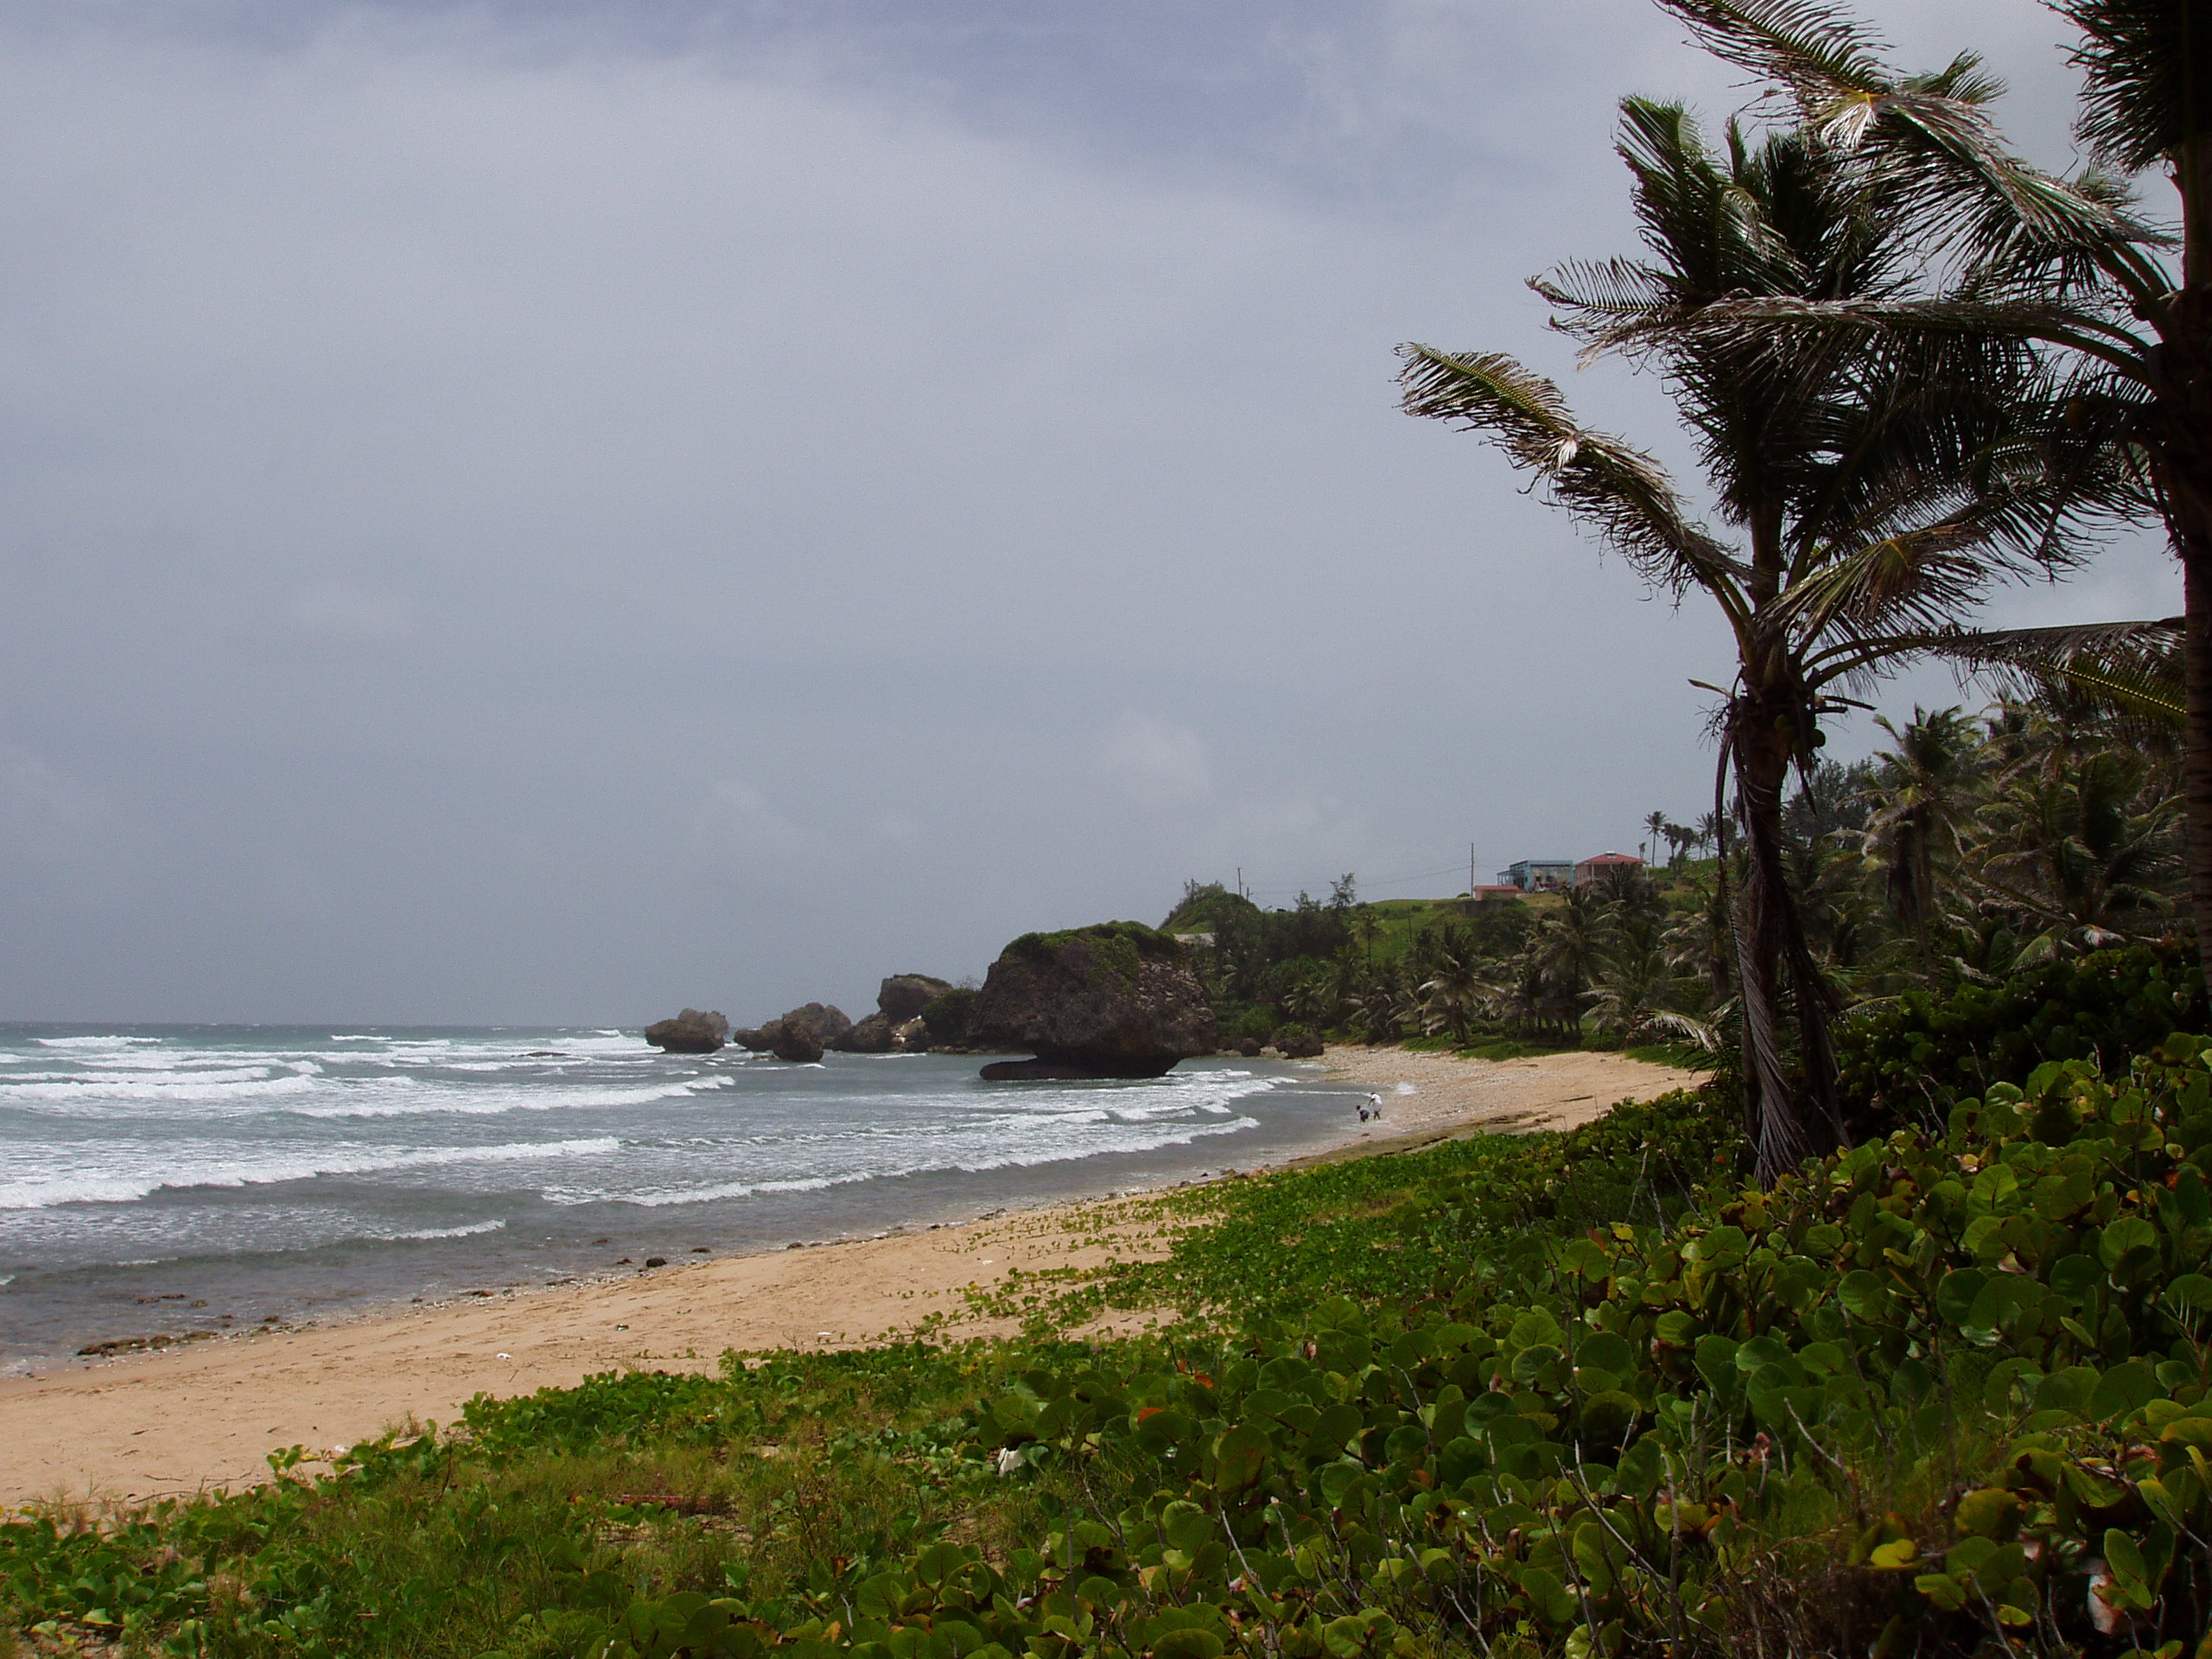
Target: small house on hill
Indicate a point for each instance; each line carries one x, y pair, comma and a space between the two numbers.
1594, 866
1538, 874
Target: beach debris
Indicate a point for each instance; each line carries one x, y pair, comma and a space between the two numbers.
655, 1260
692, 1031
701, 1249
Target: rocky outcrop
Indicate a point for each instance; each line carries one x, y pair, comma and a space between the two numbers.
1296, 1043
692, 1031
1117, 1000
795, 1040
827, 1022
874, 1035
896, 1024
903, 996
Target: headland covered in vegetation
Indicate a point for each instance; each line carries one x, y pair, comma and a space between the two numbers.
1892, 1337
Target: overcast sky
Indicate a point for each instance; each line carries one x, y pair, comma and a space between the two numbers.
547, 513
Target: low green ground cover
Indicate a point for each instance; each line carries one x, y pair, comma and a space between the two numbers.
1572, 1395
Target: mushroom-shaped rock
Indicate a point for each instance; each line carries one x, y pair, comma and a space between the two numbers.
1114, 1000
692, 1031
795, 1040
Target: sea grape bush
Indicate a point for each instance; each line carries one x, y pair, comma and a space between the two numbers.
1909, 1060
1941, 1394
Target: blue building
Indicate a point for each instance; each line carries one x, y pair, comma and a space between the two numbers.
1539, 874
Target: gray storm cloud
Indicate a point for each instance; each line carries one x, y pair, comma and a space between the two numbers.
510, 515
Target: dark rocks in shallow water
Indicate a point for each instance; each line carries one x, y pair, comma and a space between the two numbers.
1117, 1000
795, 1040
692, 1032
1249, 1048
913, 1037
758, 1038
873, 1035
903, 996
1293, 1043
827, 1023
1039, 1070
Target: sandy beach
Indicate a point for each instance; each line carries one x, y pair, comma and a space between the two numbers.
189, 1418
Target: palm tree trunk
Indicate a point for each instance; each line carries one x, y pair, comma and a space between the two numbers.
2185, 365
2195, 546
1792, 1123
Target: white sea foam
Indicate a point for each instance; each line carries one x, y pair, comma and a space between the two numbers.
185, 1087
47, 1193
90, 1042
468, 1231
428, 1099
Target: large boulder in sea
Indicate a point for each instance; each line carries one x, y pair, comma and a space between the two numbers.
874, 1035
795, 1040
692, 1031
903, 996
827, 1023
1114, 1000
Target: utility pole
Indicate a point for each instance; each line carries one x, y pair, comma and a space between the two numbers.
1471, 869
1240, 880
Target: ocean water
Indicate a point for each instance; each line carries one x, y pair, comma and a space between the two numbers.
167, 1179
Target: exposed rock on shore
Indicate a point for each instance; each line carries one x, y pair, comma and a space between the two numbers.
1115, 1000
692, 1031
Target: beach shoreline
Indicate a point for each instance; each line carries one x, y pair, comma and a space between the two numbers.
190, 1417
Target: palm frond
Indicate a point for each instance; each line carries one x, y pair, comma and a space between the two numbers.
2147, 77
2132, 670
1616, 489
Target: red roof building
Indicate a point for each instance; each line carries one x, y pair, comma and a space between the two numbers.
1589, 869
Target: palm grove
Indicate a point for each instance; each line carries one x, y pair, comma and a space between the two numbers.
1914, 365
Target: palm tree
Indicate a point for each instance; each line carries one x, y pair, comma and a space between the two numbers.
2088, 849
2067, 267
1855, 472
1924, 809
1655, 828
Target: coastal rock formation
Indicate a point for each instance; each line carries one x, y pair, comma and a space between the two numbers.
827, 1023
795, 1040
903, 996
1295, 1043
896, 1024
873, 1035
692, 1031
758, 1038
1116, 1000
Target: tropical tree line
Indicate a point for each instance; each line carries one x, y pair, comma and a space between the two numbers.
1974, 846
1914, 365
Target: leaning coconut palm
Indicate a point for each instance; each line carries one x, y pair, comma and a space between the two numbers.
2067, 266
1873, 489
